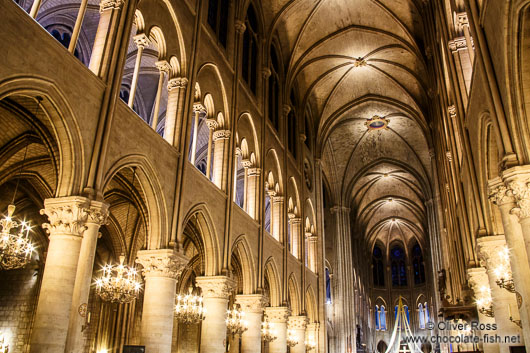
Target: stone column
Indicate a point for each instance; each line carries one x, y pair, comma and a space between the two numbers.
176, 89
160, 269
97, 216
212, 125
277, 316
105, 36
298, 324
295, 235
478, 278
312, 335
252, 305
163, 69
277, 216
252, 194
489, 248
503, 198
312, 249
220, 155
141, 41
67, 217
215, 292
198, 110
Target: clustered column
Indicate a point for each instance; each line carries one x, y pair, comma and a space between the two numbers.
160, 269
215, 292
278, 317
298, 325
252, 305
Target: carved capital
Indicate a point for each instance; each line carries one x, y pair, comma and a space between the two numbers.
254, 172
246, 163
163, 66
457, 44
161, 263
199, 108
452, 111
521, 193
252, 303
105, 5
477, 278
141, 40
277, 313
499, 194
66, 215
221, 135
297, 322
176, 82
216, 286
212, 124
98, 213
240, 26
489, 248
295, 220
277, 199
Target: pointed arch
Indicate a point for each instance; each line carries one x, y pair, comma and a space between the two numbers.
242, 250
273, 278
294, 295
310, 304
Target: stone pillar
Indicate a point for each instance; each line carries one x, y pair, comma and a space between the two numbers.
105, 39
252, 194
312, 335
163, 69
160, 269
298, 324
141, 41
478, 278
252, 305
212, 125
489, 248
176, 89
215, 292
277, 316
67, 217
198, 110
295, 223
503, 198
220, 155
312, 249
97, 216
277, 216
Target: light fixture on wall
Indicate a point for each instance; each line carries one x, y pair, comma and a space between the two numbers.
268, 332
189, 308
291, 338
502, 271
235, 321
16, 248
4, 347
310, 343
484, 302
119, 283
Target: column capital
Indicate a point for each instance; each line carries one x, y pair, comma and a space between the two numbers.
338, 209
141, 40
477, 278
246, 163
66, 215
240, 26
294, 220
254, 171
199, 107
498, 193
452, 111
489, 247
176, 82
216, 286
221, 135
212, 124
520, 189
457, 44
277, 198
105, 5
297, 322
161, 263
277, 313
252, 303
163, 66
98, 213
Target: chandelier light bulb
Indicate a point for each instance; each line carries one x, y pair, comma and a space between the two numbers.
16, 248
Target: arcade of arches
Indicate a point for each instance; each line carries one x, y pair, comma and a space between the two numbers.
312, 163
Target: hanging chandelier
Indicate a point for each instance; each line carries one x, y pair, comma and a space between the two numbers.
119, 283
268, 333
15, 246
189, 308
4, 347
235, 322
291, 338
502, 271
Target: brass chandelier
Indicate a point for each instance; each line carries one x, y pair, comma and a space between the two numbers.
291, 338
268, 333
119, 283
235, 321
15, 246
189, 308
4, 347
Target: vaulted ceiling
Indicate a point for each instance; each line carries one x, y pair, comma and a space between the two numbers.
351, 60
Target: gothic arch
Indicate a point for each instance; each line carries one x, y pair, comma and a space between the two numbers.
273, 277
294, 295
242, 250
311, 305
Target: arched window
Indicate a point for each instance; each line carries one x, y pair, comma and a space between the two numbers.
376, 315
218, 19
250, 50
397, 265
382, 318
200, 148
421, 316
63, 36
378, 269
240, 181
328, 287
274, 89
267, 211
418, 265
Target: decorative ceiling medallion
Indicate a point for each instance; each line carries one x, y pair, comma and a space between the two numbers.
376, 123
359, 62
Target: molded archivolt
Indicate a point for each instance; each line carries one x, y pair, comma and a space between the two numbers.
242, 251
